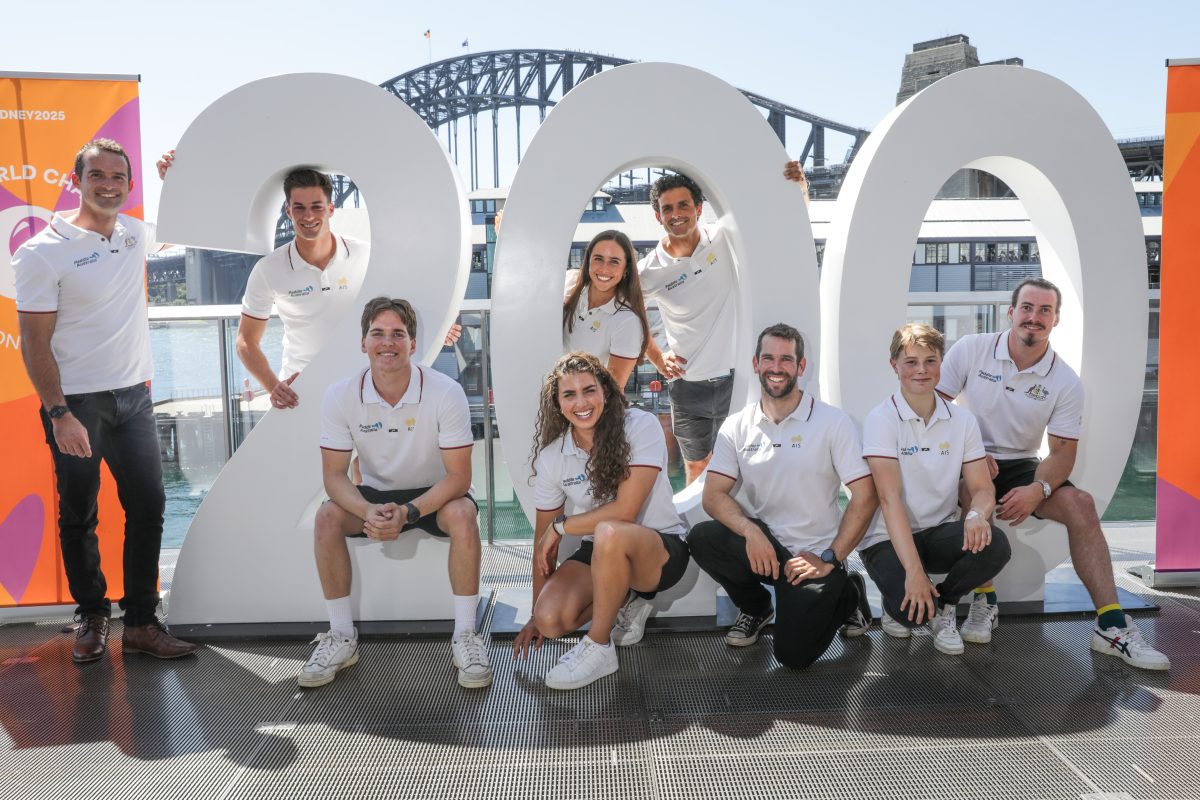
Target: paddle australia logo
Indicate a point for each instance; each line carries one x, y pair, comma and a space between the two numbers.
88, 259
675, 284
754, 447
1037, 392
372, 428
988, 376
576, 481
305, 292
913, 449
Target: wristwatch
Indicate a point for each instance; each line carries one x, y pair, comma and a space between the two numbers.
830, 557
1046, 490
560, 525
57, 412
413, 513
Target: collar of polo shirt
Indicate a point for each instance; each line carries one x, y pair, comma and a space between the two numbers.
1042, 367
666, 258
941, 409
412, 396
802, 412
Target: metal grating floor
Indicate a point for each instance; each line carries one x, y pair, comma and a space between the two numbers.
1033, 715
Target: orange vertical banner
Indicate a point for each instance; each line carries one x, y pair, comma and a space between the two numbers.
1178, 523
44, 119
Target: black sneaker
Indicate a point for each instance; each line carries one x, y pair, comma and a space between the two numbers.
860, 620
746, 628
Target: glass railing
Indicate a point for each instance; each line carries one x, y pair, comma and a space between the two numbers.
205, 403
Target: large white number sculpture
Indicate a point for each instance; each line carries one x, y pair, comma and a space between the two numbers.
1041, 138
615, 121
248, 553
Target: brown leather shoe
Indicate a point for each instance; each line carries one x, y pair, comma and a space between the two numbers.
90, 638
154, 640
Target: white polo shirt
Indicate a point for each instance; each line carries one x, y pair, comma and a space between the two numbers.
561, 479
97, 287
308, 299
696, 296
400, 446
605, 330
788, 474
1014, 407
931, 456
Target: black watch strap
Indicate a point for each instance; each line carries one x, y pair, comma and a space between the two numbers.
830, 557
57, 412
413, 512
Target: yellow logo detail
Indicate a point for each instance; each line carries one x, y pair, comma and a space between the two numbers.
797, 439
596, 325
343, 282
943, 445
712, 257
411, 421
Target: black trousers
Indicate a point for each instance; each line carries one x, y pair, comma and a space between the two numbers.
940, 548
807, 615
121, 430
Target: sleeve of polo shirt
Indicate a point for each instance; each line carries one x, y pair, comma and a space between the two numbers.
649, 288
1066, 421
335, 427
847, 452
972, 440
954, 369
880, 435
724, 460
647, 445
258, 298
454, 420
547, 486
36, 282
626, 341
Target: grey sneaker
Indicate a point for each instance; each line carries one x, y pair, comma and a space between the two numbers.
893, 628
631, 621
944, 627
334, 653
982, 619
746, 628
860, 620
469, 654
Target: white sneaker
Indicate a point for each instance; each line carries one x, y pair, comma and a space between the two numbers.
893, 628
470, 656
982, 619
334, 652
584, 663
944, 627
630, 626
1128, 644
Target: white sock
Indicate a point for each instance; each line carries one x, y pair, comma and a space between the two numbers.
607, 645
341, 617
464, 613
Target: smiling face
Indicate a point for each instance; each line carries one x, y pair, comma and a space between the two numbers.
777, 367
580, 400
919, 368
105, 183
1034, 315
310, 211
606, 267
678, 213
387, 344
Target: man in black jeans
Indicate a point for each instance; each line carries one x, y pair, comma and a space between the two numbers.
789, 453
81, 303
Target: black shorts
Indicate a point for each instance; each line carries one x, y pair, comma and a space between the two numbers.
697, 410
1015, 473
427, 523
672, 571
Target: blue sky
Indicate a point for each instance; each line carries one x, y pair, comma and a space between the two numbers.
840, 63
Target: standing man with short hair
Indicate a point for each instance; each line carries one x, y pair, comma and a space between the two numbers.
1019, 389
690, 277
311, 281
786, 456
81, 303
411, 427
